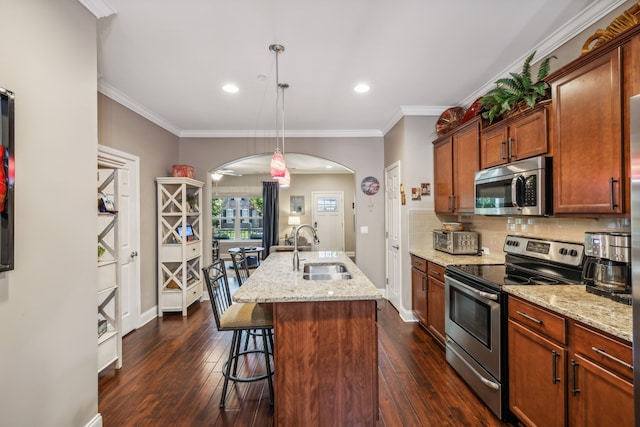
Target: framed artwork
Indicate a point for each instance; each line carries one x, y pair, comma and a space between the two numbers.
297, 204
425, 188
416, 193
7, 179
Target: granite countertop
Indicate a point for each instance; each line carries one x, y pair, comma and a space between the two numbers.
275, 281
445, 259
574, 302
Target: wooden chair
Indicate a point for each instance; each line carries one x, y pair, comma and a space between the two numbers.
239, 318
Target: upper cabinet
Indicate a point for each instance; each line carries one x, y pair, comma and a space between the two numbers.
456, 159
591, 127
516, 138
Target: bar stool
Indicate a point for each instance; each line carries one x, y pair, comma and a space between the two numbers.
239, 318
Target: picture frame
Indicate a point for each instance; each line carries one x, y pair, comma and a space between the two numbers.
297, 204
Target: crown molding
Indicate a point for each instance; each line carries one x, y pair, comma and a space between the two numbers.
113, 93
342, 133
99, 8
589, 16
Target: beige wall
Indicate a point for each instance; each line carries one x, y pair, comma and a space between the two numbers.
362, 155
48, 346
122, 129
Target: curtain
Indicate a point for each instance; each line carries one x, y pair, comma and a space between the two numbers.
270, 213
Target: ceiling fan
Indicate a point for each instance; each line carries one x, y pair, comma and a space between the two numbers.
218, 174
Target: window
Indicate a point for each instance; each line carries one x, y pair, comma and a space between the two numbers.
237, 218
326, 204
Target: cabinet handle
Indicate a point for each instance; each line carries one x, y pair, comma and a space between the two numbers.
424, 284
612, 199
453, 203
510, 148
502, 145
574, 382
554, 371
608, 356
526, 316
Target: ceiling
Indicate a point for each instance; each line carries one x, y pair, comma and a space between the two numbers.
168, 59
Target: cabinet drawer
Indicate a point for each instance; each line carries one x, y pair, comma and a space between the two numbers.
419, 263
194, 292
606, 351
173, 252
538, 319
107, 351
436, 271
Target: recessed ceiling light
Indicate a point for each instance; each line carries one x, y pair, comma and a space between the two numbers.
362, 88
230, 88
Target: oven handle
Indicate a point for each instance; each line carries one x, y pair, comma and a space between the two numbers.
486, 295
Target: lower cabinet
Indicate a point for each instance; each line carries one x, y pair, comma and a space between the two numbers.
564, 373
419, 288
435, 301
427, 296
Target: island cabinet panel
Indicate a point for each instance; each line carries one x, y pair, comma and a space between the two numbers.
587, 105
435, 301
326, 363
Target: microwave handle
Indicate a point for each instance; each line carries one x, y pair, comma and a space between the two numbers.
517, 191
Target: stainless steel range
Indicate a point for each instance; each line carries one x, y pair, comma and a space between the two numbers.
476, 309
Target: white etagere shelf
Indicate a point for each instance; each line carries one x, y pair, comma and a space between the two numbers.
179, 243
108, 292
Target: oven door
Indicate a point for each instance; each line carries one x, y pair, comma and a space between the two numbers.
472, 320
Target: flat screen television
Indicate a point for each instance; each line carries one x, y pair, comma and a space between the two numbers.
7, 178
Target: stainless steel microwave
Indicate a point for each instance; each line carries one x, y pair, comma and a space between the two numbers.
518, 188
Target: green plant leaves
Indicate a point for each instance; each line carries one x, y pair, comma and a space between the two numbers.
516, 88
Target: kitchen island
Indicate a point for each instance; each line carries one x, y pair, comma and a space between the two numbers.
325, 341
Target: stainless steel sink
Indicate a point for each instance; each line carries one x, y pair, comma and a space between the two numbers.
325, 271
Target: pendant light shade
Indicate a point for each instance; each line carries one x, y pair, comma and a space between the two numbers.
278, 166
285, 181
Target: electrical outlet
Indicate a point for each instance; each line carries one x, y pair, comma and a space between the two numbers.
485, 250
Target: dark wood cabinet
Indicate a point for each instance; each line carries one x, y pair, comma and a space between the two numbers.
588, 134
600, 379
537, 365
419, 288
435, 301
456, 158
517, 138
565, 373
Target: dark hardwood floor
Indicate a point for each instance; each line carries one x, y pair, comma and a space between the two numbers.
171, 376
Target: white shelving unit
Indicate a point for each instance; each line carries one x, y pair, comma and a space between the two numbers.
179, 254
109, 316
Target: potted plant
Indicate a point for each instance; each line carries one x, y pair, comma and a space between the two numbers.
517, 92
191, 201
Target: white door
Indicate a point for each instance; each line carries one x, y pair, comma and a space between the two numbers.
392, 232
128, 206
328, 219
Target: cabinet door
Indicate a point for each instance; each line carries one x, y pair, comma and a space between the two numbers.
419, 294
537, 389
435, 310
587, 153
466, 160
598, 397
528, 136
443, 176
493, 147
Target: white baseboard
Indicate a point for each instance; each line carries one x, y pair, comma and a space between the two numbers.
96, 421
148, 316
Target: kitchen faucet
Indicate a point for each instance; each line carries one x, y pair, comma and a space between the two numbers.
296, 258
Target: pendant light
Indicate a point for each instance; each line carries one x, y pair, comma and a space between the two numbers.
278, 164
284, 181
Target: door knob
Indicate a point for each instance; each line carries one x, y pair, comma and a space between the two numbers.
133, 254
395, 247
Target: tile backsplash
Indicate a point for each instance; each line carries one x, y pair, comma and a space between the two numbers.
494, 229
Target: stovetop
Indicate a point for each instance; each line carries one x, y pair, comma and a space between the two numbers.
528, 261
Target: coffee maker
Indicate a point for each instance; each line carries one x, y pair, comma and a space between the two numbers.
607, 266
